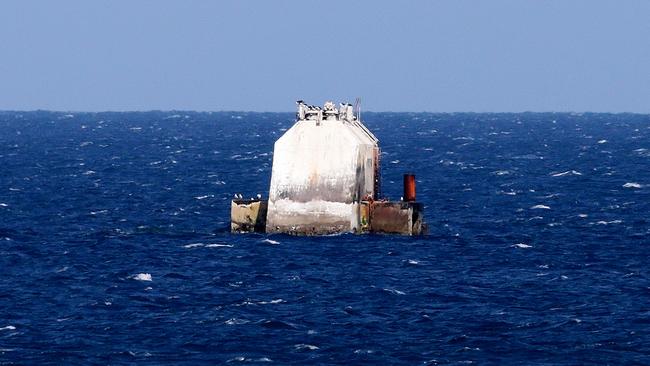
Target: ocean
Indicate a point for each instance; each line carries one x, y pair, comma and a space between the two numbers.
115, 244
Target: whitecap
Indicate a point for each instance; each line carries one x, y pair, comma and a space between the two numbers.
8, 327
203, 197
602, 141
395, 162
540, 207
305, 346
236, 321
413, 261
552, 195
501, 172
3, 205
394, 291
632, 185
359, 351
609, 222
89, 172
246, 359
583, 215
142, 277
521, 245
270, 241
642, 152
193, 245
568, 172
276, 301
218, 245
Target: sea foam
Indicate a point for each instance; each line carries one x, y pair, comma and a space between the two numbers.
143, 277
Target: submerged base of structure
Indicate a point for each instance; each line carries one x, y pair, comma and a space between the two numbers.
248, 216
381, 217
397, 218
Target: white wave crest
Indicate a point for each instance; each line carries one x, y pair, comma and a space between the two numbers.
632, 185
568, 172
246, 359
522, 245
236, 321
276, 301
394, 291
305, 346
143, 277
204, 197
501, 172
608, 222
540, 207
193, 245
270, 241
218, 245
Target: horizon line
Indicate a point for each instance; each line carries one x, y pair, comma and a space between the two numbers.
284, 112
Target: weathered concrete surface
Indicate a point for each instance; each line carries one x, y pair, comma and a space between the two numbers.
248, 216
396, 218
322, 169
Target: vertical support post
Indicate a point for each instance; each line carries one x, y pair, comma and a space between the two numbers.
409, 187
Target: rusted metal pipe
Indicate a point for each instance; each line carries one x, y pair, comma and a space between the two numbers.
409, 187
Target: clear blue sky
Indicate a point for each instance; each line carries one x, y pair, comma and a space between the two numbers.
439, 56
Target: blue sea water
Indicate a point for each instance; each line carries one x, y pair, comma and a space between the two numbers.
114, 244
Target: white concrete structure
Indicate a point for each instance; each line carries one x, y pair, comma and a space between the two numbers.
322, 167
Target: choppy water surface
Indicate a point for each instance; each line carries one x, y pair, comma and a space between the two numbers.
114, 245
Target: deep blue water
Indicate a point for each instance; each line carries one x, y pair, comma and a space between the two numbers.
537, 251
